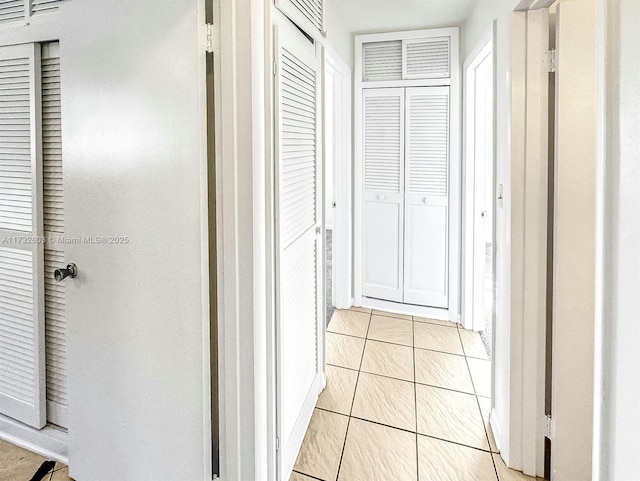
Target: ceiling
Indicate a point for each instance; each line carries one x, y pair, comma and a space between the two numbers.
361, 16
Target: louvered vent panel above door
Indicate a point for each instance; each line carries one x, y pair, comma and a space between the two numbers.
306, 14
16, 168
22, 386
54, 255
11, 10
427, 58
44, 6
382, 61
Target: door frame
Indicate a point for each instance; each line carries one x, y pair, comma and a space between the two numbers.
342, 252
485, 47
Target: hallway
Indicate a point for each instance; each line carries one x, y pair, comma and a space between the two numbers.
406, 399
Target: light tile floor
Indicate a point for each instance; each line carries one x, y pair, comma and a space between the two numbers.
17, 464
407, 398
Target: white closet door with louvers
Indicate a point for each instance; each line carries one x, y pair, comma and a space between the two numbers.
54, 253
298, 185
426, 258
383, 220
22, 327
21, 10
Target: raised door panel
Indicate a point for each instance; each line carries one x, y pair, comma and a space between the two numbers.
383, 151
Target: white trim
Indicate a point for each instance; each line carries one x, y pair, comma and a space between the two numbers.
247, 449
342, 246
454, 176
484, 48
407, 309
49, 441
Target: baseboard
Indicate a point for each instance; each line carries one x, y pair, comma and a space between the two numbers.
409, 309
50, 442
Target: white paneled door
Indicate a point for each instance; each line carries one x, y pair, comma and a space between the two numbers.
406, 156
383, 231
427, 197
298, 241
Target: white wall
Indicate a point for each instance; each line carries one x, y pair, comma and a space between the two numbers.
133, 118
617, 442
478, 23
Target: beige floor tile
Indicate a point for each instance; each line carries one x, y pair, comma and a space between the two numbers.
506, 474
393, 314
485, 410
391, 329
443, 461
481, 375
385, 401
344, 351
388, 360
443, 370
450, 415
17, 463
322, 446
351, 323
435, 321
473, 346
437, 338
361, 309
374, 452
338, 394
300, 477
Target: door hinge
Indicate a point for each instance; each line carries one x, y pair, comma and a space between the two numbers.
210, 34
548, 426
552, 61
277, 444
275, 68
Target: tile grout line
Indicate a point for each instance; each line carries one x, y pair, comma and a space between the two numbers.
353, 400
402, 345
495, 468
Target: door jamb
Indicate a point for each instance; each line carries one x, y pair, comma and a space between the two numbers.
468, 190
343, 218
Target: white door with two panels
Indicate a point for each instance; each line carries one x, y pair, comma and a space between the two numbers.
406, 195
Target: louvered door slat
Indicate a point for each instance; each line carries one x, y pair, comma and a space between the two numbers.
298, 197
54, 254
44, 6
427, 197
427, 58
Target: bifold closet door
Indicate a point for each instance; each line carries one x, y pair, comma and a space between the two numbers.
299, 243
427, 197
22, 332
383, 219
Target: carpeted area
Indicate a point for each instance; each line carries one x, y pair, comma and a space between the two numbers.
329, 276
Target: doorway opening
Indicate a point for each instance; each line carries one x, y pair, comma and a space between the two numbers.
479, 190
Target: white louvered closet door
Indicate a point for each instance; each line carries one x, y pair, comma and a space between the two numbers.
383, 233
22, 336
54, 253
299, 241
427, 197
